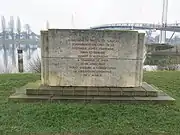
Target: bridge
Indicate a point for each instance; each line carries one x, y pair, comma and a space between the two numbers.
163, 27
140, 26
143, 26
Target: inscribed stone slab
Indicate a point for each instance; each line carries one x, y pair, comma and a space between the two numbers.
92, 58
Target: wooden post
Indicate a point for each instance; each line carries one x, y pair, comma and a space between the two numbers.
20, 60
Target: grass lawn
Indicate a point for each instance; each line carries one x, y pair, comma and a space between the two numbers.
91, 119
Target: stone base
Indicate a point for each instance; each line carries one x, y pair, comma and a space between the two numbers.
146, 94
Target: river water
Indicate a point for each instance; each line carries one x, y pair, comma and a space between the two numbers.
9, 64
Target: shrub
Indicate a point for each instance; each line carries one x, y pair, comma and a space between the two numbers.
35, 65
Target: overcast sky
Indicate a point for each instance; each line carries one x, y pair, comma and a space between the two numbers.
86, 13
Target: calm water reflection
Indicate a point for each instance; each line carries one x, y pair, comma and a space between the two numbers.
9, 61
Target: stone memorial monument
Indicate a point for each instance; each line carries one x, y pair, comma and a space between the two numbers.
92, 58
92, 65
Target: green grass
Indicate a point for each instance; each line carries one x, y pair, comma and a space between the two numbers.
92, 119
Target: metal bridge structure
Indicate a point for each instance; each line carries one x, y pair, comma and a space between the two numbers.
175, 27
140, 26
154, 47
163, 27
148, 27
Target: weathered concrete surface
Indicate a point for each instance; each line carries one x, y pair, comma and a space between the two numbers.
92, 58
35, 92
161, 99
145, 90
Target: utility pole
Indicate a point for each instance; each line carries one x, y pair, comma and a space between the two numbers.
72, 21
164, 21
47, 25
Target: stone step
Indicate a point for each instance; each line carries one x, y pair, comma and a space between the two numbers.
144, 91
36, 93
66, 92
161, 98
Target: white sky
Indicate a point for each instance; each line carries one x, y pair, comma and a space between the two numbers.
87, 13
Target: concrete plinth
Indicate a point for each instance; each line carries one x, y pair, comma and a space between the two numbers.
34, 92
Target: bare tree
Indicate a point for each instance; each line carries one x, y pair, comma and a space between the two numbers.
35, 65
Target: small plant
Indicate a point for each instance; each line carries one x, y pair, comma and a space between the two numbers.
35, 65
